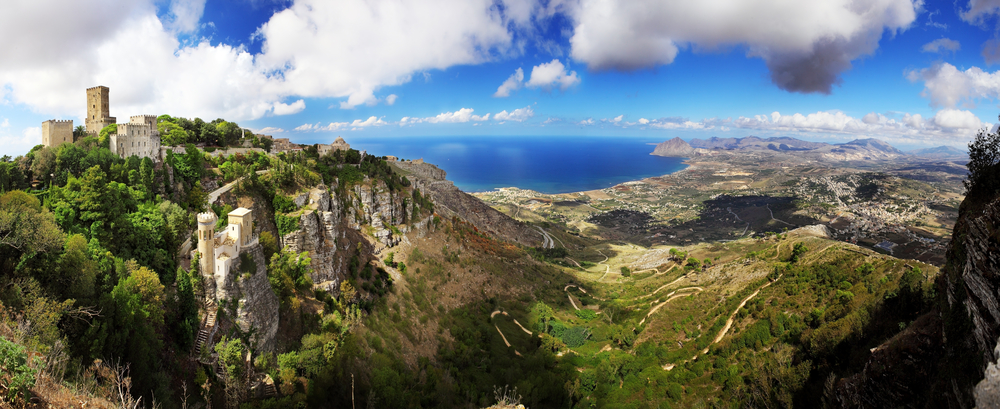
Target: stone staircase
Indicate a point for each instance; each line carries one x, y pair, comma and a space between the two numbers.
270, 390
206, 331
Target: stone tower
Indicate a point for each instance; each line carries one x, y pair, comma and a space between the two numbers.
56, 132
98, 109
206, 242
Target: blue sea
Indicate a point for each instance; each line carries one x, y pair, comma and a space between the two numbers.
550, 164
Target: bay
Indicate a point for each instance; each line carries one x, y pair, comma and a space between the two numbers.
547, 164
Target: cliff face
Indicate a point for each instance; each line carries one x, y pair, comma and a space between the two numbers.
674, 148
451, 201
257, 305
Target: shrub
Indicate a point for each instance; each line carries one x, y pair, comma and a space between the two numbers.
586, 314
15, 374
626, 272
286, 224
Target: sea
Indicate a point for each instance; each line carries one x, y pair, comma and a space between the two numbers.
547, 164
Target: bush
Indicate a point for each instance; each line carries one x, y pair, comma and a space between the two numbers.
286, 224
15, 374
586, 314
626, 272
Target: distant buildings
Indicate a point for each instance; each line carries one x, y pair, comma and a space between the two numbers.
338, 145
138, 137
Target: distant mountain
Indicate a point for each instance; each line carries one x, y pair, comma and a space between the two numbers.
674, 148
875, 144
856, 150
940, 152
756, 143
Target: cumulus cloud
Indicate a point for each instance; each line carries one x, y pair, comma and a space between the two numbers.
371, 121
22, 142
185, 15
461, 116
941, 45
513, 83
517, 115
269, 130
391, 99
588, 121
947, 125
979, 10
332, 126
288, 109
309, 50
552, 74
946, 86
806, 45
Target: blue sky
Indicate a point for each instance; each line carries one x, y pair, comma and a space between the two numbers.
916, 74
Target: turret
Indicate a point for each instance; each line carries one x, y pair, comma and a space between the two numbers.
206, 242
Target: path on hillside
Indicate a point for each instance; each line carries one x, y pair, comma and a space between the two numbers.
729, 322
670, 297
657, 290
607, 268
768, 206
494, 314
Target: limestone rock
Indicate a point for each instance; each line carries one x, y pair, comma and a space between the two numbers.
675, 148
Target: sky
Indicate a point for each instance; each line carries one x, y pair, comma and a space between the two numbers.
916, 74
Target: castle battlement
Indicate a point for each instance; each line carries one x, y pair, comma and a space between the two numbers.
60, 121
97, 87
218, 248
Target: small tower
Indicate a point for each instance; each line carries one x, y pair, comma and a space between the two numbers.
206, 242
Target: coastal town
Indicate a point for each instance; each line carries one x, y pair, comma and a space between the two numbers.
753, 195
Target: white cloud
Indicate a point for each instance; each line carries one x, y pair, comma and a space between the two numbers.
551, 120
288, 109
22, 143
588, 121
513, 83
517, 115
269, 130
312, 49
946, 86
371, 121
805, 44
618, 118
552, 74
941, 45
947, 123
461, 116
957, 119
643, 121
391, 99
185, 14
980, 10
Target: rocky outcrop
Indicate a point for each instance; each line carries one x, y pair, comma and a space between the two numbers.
257, 310
450, 201
256, 304
674, 148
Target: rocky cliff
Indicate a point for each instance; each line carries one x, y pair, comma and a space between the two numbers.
451, 201
674, 148
256, 303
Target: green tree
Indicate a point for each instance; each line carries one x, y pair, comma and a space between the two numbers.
25, 228
984, 164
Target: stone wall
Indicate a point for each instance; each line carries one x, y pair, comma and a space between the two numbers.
258, 306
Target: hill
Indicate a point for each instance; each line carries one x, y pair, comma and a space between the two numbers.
940, 152
673, 148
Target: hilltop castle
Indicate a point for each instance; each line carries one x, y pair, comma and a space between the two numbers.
218, 249
138, 137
